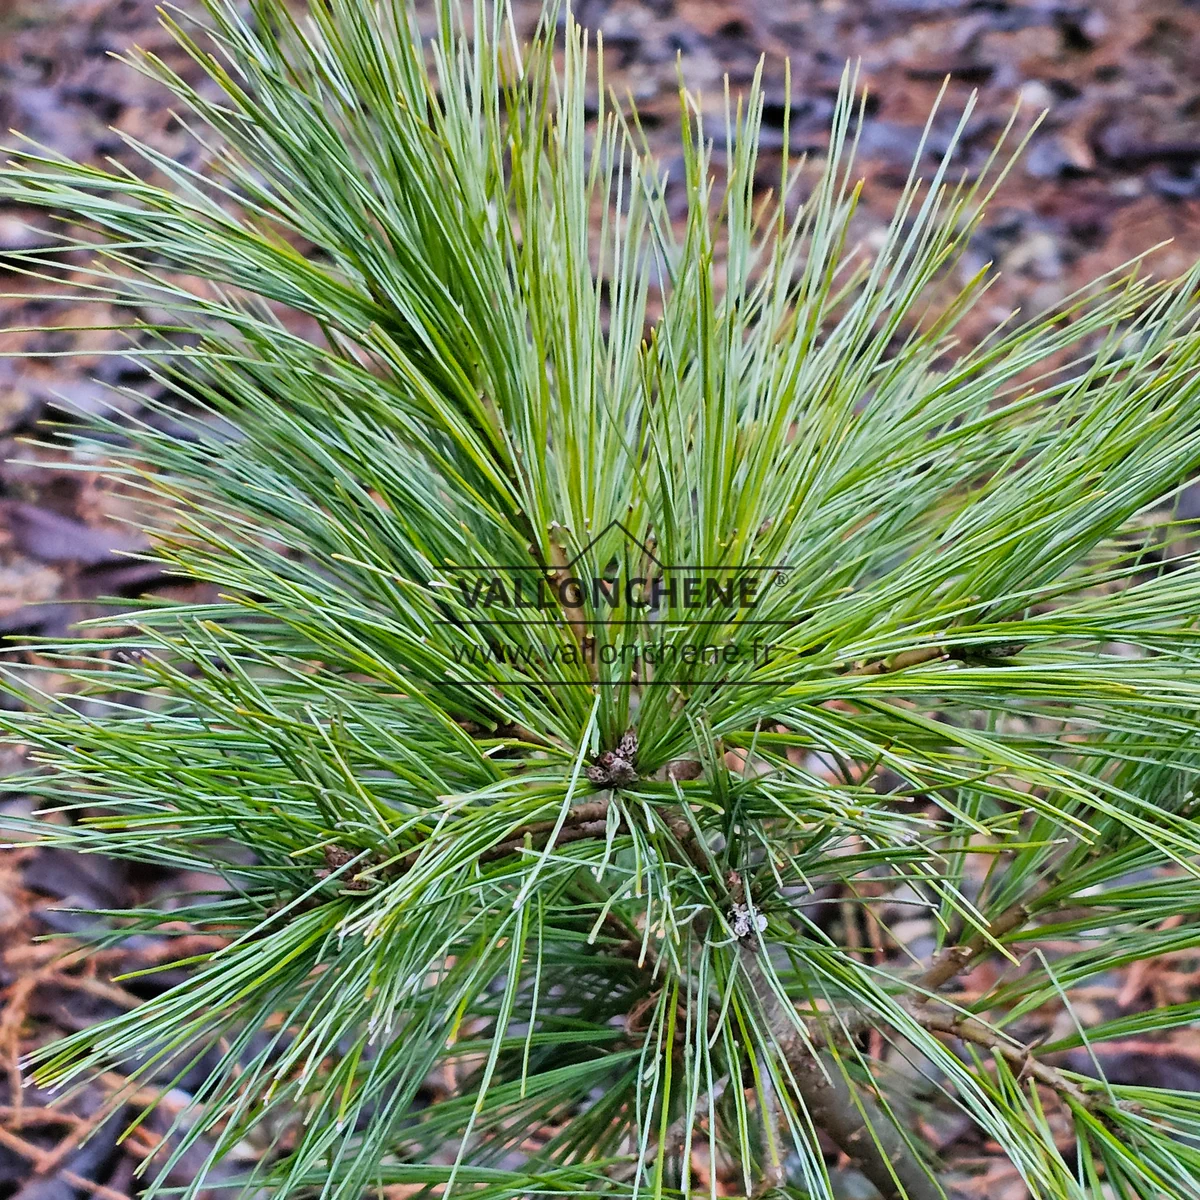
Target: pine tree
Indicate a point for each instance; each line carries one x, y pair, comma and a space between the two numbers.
594, 596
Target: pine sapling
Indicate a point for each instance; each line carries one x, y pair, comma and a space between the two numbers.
611, 623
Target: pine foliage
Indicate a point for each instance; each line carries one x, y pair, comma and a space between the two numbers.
590, 885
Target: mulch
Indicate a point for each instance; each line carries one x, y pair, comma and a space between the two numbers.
1113, 170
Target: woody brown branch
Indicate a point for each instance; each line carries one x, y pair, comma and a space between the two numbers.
967, 1028
576, 616
855, 1122
1019, 1055
898, 662
582, 821
954, 960
933, 653
585, 821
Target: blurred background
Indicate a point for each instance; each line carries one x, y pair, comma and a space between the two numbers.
1113, 170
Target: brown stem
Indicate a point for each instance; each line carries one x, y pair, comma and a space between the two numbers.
590, 820
582, 821
897, 662
576, 616
859, 1126
689, 843
971, 1029
923, 654
861, 1129
954, 960
569, 833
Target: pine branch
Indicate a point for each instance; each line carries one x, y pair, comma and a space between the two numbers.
899, 662
860, 1129
855, 1122
987, 653
971, 1029
387, 747
956, 959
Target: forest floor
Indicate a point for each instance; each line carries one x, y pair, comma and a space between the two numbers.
1113, 171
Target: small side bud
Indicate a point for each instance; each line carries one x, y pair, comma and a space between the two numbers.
618, 767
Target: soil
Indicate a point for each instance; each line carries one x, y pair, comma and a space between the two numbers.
1113, 170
